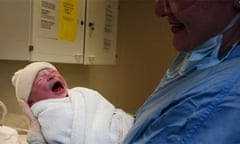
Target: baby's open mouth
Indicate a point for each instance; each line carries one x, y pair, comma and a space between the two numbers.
57, 87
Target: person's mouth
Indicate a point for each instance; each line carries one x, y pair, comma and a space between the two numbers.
57, 87
176, 27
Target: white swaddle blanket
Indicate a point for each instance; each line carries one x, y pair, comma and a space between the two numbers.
84, 117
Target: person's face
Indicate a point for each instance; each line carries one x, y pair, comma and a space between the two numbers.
48, 83
195, 21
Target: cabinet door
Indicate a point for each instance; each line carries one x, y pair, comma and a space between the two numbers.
14, 29
57, 31
101, 31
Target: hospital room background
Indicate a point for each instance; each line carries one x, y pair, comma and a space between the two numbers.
144, 51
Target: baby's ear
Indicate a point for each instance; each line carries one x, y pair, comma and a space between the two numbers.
236, 4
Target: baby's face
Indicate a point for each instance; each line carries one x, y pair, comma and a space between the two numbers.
48, 84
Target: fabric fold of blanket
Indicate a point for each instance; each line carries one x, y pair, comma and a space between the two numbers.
84, 117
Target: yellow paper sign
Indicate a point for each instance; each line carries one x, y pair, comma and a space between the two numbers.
68, 19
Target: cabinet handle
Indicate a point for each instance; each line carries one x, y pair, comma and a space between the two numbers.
30, 48
82, 22
91, 25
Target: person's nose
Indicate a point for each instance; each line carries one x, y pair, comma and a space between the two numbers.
163, 8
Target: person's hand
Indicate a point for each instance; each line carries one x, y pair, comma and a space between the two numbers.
34, 124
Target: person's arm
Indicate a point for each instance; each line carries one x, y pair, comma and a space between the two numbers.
34, 135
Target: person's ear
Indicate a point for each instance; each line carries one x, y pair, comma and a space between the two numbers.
236, 4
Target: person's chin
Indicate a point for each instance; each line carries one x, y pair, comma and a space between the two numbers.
181, 46
181, 42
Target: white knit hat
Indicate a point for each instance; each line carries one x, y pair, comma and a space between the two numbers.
23, 79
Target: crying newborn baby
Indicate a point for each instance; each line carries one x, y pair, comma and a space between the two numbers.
69, 116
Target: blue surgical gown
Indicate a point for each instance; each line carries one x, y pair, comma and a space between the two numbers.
201, 107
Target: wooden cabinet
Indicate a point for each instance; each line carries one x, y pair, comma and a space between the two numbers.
63, 31
101, 31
